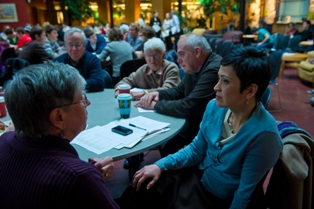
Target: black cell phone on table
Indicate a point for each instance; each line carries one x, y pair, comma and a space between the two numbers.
122, 130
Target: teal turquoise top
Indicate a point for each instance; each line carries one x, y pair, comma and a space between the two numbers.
232, 171
261, 36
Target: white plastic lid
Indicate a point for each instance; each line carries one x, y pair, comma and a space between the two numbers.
124, 86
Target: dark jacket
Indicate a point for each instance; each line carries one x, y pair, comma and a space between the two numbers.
34, 53
47, 173
89, 68
100, 45
189, 99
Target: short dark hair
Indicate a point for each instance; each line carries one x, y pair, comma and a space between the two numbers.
50, 28
20, 29
252, 66
115, 34
8, 31
308, 22
36, 30
89, 31
148, 32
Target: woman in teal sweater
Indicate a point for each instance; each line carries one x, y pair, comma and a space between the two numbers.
238, 142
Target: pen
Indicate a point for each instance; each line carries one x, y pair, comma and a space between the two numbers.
136, 126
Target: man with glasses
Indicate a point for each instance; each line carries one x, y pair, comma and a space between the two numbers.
188, 99
86, 63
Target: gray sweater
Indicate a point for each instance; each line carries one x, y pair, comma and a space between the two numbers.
119, 52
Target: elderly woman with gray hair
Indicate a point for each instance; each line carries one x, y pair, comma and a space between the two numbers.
158, 73
39, 167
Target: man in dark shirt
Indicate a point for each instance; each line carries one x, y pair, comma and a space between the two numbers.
95, 43
307, 33
188, 99
34, 51
86, 63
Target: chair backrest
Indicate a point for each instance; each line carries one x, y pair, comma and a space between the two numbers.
181, 73
172, 56
226, 48
275, 59
130, 66
237, 38
6, 54
212, 43
107, 79
230, 34
12, 66
219, 47
199, 31
211, 36
210, 32
266, 97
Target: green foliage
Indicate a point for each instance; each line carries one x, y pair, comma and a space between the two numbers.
78, 10
212, 6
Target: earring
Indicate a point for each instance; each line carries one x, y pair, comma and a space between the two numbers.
247, 102
61, 134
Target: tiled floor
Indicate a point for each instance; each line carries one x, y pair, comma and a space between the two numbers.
295, 107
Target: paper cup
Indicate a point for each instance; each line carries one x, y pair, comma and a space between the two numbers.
3, 111
124, 101
124, 88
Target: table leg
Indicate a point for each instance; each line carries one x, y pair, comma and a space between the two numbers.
282, 66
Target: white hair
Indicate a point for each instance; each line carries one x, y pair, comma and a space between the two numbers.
155, 43
124, 28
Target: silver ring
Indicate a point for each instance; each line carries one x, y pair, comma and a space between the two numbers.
106, 174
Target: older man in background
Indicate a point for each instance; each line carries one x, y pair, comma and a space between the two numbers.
188, 99
86, 63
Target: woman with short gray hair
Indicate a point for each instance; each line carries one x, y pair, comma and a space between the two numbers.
39, 167
158, 73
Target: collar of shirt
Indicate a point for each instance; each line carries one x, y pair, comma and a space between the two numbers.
160, 71
75, 64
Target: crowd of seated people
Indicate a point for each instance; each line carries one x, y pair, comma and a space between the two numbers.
212, 86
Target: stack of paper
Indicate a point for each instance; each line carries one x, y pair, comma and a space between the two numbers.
101, 139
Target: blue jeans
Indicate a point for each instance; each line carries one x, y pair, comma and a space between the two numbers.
264, 45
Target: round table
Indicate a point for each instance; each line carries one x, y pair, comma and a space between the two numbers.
104, 109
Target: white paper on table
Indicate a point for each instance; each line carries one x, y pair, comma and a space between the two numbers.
125, 140
136, 90
101, 139
149, 124
144, 110
156, 133
90, 140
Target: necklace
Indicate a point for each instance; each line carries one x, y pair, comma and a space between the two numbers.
230, 122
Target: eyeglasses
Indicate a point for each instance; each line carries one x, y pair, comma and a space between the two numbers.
156, 56
84, 100
76, 46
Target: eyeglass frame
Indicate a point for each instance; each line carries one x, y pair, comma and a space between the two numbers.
76, 46
84, 101
155, 56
